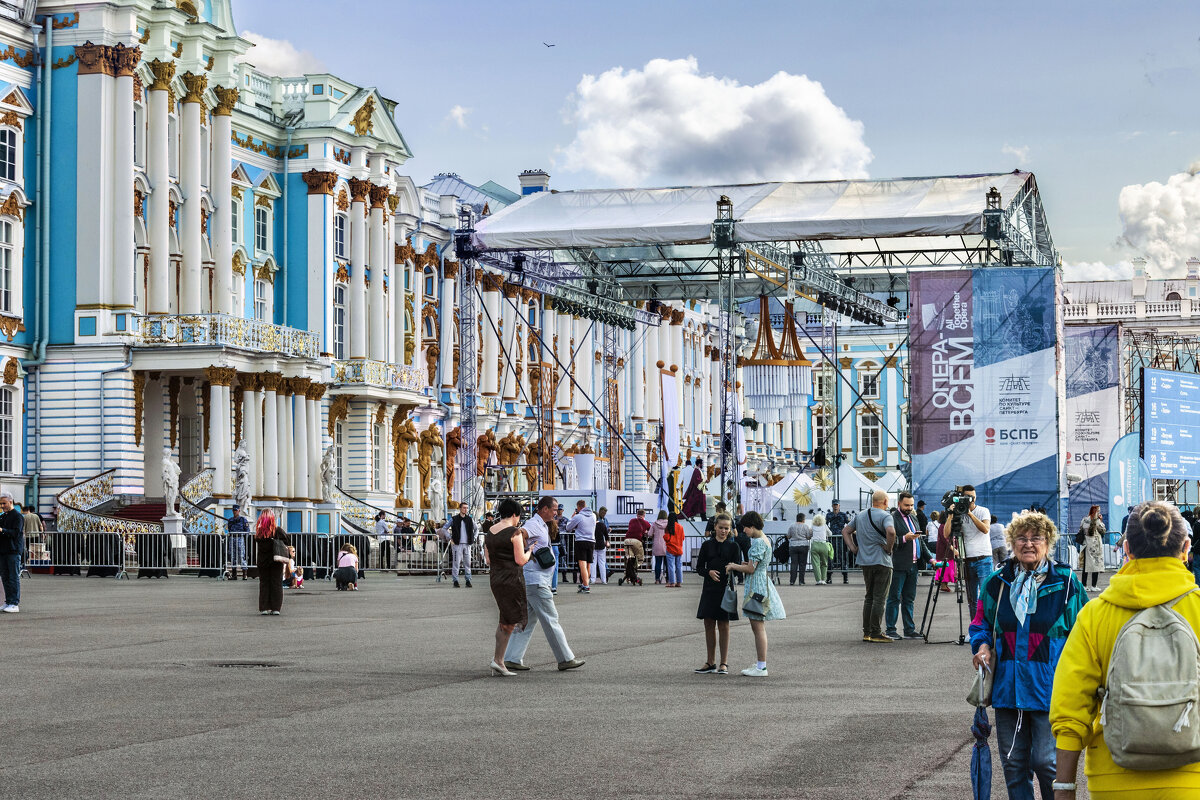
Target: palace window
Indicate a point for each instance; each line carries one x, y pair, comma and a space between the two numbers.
7, 444
870, 437
535, 353
823, 383
235, 213
377, 458
260, 299
339, 322
8, 154
430, 284
262, 228
6, 267
339, 449
820, 427
339, 236
868, 384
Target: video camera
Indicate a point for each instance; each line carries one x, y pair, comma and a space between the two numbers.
956, 502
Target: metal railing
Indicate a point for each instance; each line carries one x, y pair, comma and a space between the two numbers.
225, 330
75, 504
198, 520
364, 371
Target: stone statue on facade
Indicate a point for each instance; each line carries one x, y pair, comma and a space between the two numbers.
485, 445
407, 436
570, 475
170, 482
430, 440
241, 478
437, 493
329, 473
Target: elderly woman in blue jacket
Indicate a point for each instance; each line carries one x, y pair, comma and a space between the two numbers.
1026, 610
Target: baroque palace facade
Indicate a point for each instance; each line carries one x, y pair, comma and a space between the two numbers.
199, 261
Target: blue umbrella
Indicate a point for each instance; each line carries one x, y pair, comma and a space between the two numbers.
981, 756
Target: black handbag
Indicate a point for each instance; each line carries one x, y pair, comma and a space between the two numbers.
544, 557
281, 551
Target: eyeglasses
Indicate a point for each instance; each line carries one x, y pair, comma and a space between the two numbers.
1029, 540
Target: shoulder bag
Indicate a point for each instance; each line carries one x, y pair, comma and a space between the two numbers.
544, 557
754, 605
281, 551
981, 689
729, 603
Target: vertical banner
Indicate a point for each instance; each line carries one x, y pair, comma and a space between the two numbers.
984, 365
1093, 419
1128, 479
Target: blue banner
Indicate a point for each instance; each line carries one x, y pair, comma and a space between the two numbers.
1128, 479
1093, 415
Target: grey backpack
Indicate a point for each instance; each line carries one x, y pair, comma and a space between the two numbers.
1150, 705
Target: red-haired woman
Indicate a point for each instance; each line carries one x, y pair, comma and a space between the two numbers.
270, 571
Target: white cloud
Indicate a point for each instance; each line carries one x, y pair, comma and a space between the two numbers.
280, 57
669, 123
1162, 221
458, 115
1097, 271
1021, 154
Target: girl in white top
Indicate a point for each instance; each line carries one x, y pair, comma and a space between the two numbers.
931, 530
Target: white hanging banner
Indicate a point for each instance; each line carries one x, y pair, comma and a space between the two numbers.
670, 417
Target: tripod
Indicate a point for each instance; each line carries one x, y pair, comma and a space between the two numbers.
935, 587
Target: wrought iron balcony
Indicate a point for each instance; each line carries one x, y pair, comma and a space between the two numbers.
224, 330
365, 372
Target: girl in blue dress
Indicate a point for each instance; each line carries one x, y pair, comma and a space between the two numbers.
758, 586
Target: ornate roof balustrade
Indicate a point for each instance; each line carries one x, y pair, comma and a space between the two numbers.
364, 371
224, 330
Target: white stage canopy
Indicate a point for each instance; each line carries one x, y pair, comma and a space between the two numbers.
765, 212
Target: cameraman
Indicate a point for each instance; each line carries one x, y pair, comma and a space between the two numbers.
976, 531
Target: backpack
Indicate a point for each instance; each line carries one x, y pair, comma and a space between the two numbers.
1150, 705
783, 550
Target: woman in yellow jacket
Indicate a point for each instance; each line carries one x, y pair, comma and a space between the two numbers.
1156, 544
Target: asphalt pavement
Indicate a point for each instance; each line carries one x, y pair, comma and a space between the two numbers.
178, 688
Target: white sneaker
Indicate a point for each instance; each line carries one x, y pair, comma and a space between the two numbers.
754, 672
10, 609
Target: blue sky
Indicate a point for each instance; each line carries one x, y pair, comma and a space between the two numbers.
1092, 97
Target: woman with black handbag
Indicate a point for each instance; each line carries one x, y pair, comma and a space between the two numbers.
270, 553
716, 555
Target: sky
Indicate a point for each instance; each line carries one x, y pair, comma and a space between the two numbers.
1098, 99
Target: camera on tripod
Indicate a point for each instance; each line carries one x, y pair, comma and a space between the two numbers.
956, 502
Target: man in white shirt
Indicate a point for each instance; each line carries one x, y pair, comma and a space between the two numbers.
999, 542
976, 531
539, 599
383, 535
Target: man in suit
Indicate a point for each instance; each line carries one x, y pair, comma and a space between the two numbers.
910, 550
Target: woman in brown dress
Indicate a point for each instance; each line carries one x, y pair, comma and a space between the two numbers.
505, 553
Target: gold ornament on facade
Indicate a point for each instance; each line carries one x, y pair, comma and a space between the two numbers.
208, 65
138, 200
492, 282
64, 62
94, 59
11, 370
173, 386
237, 397
430, 257
338, 409
450, 270
379, 196
341, 156
163, 72
404, 253
270, 381
380, 413
362, 118
342, 275
272, 151
239, 264
25, 59
393, 202
139, 403
431, 360
677, 317
359, 190
178, 50
145, 35
69, 21
265, 273
343, 202
262, 201
220, 376
10, 325
227, 98
171, 214
124, 60
319, 182
12, 207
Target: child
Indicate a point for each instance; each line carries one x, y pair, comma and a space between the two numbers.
292, 578
346, 573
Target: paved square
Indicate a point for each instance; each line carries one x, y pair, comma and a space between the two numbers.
118, 689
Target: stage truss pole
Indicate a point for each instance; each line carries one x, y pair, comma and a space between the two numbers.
468, 398
611, 403
723, 234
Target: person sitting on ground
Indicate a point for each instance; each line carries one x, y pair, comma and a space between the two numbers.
758, 588
1025, 612
346, 573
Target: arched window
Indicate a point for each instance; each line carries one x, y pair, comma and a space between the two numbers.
339, 322
7, 445
430, 284
339, 236
6, 267
260, 299
261, 239
1174, 297
820, 430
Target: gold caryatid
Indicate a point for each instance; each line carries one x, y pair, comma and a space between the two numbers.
431, 440
485, 445
406, 435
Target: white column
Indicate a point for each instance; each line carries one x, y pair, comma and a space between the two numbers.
158, 171
216, 432
715, 408
675, 335
358, 268
125, 60
283, 437
562, 397
221, 187
378, 261
585, 363
270, 436
93, 168
636, 365
190, 274
509, 304
448, 317
251, 422
315, 453
399, 271
490, 382
653, 384
300, 439
319, 267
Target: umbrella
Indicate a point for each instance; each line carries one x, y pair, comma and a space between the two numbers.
981, 756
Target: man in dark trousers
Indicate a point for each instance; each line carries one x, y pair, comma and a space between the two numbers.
239, 528
836, 520
12, 548
906, 560
462, 536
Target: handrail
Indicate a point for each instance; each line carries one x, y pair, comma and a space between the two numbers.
196, 519
360, 513
75, 504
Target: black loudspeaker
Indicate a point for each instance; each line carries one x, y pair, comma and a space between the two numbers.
819, 457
